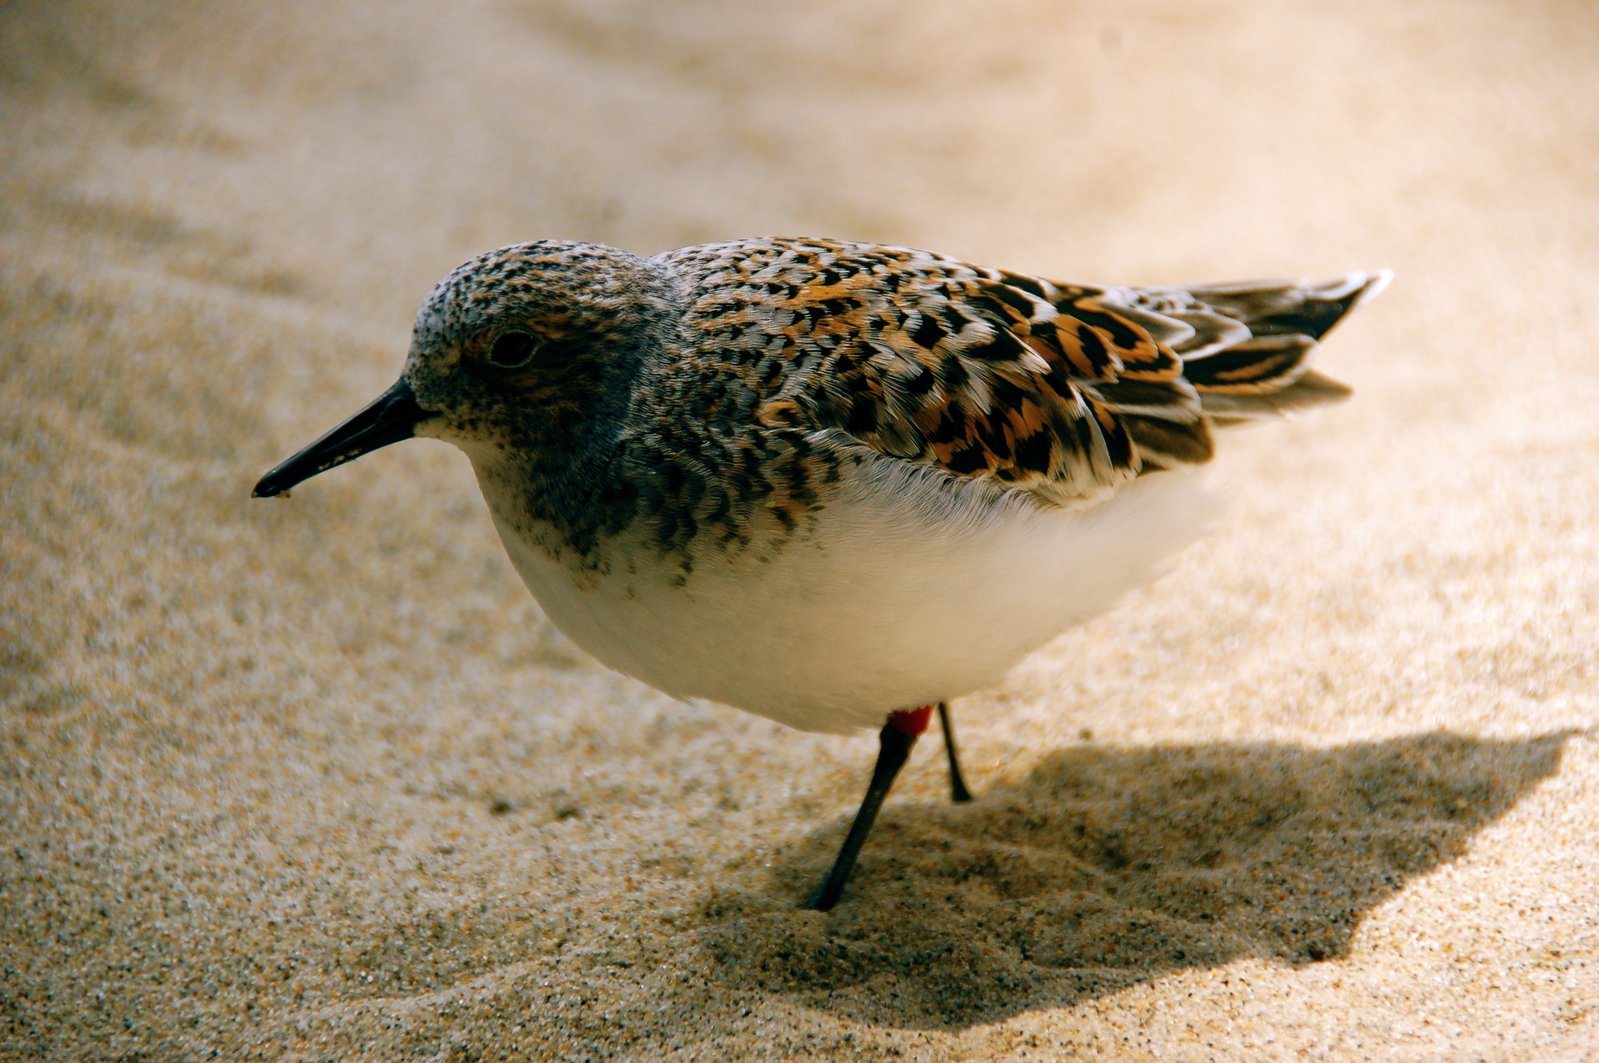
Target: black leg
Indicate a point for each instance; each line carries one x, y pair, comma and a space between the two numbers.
957, 785
894, 749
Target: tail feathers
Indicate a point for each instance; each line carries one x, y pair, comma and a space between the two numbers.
1292, 309
1251, 344
1311, 389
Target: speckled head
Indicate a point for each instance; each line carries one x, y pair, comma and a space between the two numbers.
521, 350
530, 342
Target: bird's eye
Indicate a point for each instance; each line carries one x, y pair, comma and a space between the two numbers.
512, 350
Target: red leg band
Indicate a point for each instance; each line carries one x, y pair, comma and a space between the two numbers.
910, 722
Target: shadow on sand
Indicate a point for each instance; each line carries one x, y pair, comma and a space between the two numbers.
1105, 867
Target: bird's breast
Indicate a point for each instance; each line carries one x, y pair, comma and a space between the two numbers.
900, 590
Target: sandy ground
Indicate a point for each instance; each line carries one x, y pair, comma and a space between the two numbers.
314, 779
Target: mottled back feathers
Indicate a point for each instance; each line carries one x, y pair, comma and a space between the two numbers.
1061, 390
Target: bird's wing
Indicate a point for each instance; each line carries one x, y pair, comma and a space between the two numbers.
1060, 390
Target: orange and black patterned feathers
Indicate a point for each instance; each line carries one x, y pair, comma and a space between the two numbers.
1061, 390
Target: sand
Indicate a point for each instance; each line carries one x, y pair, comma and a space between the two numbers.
314, 779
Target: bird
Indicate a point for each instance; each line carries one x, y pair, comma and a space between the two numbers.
836, 484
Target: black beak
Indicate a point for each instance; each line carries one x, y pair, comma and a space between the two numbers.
391, 417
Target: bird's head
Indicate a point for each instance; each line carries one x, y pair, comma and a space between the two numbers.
518, 350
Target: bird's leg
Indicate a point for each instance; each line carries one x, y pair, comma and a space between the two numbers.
957, 785
895, 741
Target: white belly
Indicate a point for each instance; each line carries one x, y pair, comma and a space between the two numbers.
893, 599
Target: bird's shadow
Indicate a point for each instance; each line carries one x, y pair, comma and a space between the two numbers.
1109, 866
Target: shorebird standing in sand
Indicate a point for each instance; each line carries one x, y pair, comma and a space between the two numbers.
833, 482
